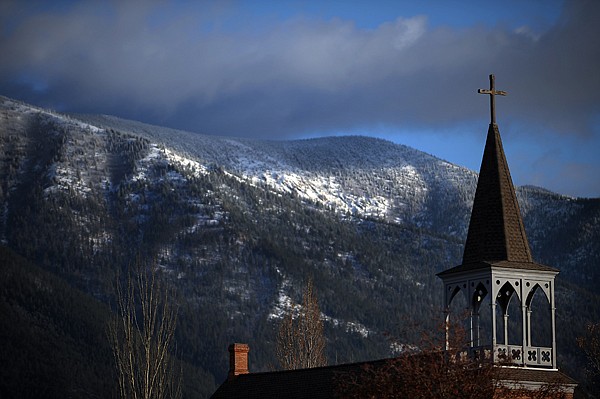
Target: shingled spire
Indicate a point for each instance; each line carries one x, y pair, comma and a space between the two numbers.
496, 233
496, 229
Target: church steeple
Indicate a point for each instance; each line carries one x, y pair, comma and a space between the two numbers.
496, 229
497, 267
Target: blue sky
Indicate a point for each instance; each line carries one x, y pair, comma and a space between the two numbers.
406, 71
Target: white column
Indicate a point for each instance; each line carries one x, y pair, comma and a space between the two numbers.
506, 327
472, 327
476, 315
528, 343
493, 305
446, 327
525, 330
553, 325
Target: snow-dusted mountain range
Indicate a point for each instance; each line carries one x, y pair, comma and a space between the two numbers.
238, 225
365, 177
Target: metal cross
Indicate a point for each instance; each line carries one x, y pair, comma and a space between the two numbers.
492, 92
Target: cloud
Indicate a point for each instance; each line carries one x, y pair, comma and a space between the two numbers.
204, 68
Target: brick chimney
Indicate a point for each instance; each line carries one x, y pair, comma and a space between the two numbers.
238, 359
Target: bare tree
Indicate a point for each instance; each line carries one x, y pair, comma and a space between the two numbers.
142, 337
287, 352
300, 339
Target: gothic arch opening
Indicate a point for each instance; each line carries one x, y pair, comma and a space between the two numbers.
455, 291
540, 318
457, 319
482, 316
509, 321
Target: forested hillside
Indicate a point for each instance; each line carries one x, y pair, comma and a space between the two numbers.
237, 226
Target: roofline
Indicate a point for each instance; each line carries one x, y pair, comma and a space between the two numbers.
494, 265
308, 369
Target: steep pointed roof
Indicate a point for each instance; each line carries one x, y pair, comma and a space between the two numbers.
496, 230
496, 234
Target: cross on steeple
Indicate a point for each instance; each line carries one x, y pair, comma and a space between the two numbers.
492, 92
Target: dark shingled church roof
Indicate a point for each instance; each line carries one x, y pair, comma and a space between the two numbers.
312, 383
496, 234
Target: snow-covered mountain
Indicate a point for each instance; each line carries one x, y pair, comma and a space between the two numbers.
358, 176
239, 224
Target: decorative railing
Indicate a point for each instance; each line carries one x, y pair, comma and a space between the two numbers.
509, 354
528, 355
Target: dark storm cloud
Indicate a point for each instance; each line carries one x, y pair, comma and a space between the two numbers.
300, 75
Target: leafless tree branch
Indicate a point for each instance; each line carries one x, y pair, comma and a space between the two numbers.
142, 337
300, 340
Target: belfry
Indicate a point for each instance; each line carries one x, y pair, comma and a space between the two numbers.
497, 267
